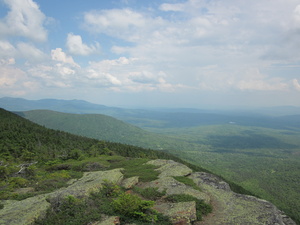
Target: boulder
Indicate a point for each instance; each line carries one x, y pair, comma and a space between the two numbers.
23, 212
172, 187
232, 208
26, 211
170, 168
130, 182
212, 180
89, 182
182, 213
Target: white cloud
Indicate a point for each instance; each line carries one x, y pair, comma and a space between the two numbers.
13, 81
30, 52
235, 35
60, 56
57, 75
297, 15
24, 19
122, 23
6, 49
127, 74
177, 7
9, 61
195, 45
296, 84
116, 18
77, 47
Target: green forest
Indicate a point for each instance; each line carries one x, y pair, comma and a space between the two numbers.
262, 159
41, 160
264, 162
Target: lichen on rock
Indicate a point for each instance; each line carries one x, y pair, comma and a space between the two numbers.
130, 182
232, 208
89, 182
179, 213
26, 211
173, 187
170, 168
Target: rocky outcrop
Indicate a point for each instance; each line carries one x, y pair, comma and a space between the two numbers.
232, 208
26, 211
130, 182
169, 168
89, 182
174, 187
179, 213
228, 207
23, 212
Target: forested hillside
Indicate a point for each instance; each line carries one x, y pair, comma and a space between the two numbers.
103, 127
23, 140
251, 156
45, 159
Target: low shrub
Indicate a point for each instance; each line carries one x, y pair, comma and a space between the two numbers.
111, 200
70, 211
58, 167
137, 167
17, 182
188, 181
49, 185
202, 208
3, 172
149, 193
129, 205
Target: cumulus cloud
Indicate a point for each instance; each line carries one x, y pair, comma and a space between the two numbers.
177, 7
77, 47
192, 44
24, 19
13, 81
127, 74
235, 35
30, 52
60, 71
115, 18
6, 49
60, 56
296, 84
123, 23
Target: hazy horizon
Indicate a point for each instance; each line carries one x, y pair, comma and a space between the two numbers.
159, 53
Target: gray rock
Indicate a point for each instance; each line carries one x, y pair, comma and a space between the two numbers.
180, 213
169, 168
23, 212
26, 211
232, 208
89, 182
212, 180
130, 182
172, 187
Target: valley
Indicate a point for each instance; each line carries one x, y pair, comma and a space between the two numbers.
259, 152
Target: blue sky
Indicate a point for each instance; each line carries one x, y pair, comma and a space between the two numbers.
172, 53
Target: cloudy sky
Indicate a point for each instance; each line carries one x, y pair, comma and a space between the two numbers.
172, 53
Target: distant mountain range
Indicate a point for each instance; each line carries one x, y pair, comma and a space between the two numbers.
256, 149
100, 127
273, 117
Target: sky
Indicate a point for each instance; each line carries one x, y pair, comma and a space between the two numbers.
152, 53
